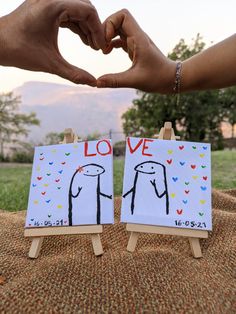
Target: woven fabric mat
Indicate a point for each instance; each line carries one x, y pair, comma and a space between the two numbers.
161, 276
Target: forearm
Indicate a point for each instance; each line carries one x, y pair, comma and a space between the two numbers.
213, 68
4, 49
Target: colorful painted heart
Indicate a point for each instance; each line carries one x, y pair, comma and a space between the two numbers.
67, 154
203, 188
49, 216
186, 191
38, 168
75, 146
203, 167
36, 202
34, 185
51, 163
54, 151
41, 158
41, 154
60, 171
193, 166
170, 151
204, 178
57, 180
179, 211
46, 185
32, 219
173, 195
195, 177
181, 147
194, 147
48, 201
201, 214
202, 155
182, 163
186, 183
202, 202
185, 201
43, 193
204, 147
48, 174
63, 163
59, 206
175, 179
169, 161
59, 187
39, 178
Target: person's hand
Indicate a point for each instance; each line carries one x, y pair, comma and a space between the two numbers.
28, 36
151, 71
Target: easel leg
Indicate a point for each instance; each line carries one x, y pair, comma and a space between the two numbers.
195, 247
132, 241
35, 247
97, 244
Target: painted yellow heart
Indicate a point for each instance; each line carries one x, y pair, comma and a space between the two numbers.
54, 151
36, 202
59, 206
202, 155
195, 177
38, 168
202, 202
170, 151
46, 185
173, 195
75, 146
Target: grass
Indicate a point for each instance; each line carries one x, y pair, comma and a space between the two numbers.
15, 179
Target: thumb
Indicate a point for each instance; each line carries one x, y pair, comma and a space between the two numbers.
115, 80
70, 72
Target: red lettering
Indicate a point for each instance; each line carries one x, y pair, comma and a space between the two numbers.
132, 150
109, 151
145, 147
86, 154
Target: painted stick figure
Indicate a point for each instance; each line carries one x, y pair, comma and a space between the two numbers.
149, 172
91, 171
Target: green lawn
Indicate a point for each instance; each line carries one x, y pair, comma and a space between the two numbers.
15, 179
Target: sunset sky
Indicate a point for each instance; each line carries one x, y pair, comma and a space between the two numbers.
166, 21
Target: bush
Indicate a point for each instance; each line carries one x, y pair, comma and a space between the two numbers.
22, 157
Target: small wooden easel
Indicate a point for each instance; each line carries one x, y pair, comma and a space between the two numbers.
37, 234
167, 133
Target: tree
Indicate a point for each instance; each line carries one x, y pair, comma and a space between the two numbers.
197, 116
53, 138
13, 124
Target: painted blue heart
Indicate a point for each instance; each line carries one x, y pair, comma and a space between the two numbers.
203, 188
50, 163
48, 201
204, 147
175, 179
34, 185
185, 201
182, 163
60, 171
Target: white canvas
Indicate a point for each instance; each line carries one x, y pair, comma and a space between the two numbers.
167, 183
71, 184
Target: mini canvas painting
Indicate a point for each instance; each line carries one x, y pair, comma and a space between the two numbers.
71, 184
167, 183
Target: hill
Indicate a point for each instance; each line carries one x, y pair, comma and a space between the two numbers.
86, 110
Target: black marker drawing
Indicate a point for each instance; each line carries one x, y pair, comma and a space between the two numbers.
156, 171
89, 170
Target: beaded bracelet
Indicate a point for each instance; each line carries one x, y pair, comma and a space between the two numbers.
177, 85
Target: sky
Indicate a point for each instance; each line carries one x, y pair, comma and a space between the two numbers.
165, 21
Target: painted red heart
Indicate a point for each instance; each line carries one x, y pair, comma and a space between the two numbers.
63, 163
181, 147
179, 211
169, 161
43, 193
39, 178
193, 166
41, 158
204, 178
186, 191
58, 180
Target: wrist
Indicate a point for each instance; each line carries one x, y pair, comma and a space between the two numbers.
168, 76
4, 43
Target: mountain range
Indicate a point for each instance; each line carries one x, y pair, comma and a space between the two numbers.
84, 109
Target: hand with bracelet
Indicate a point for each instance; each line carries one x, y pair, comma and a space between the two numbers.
151, 71
28, 36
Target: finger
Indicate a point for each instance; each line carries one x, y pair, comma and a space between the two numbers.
121, 22
84, 11
123, 79
76, 29
70, 72
116, 43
